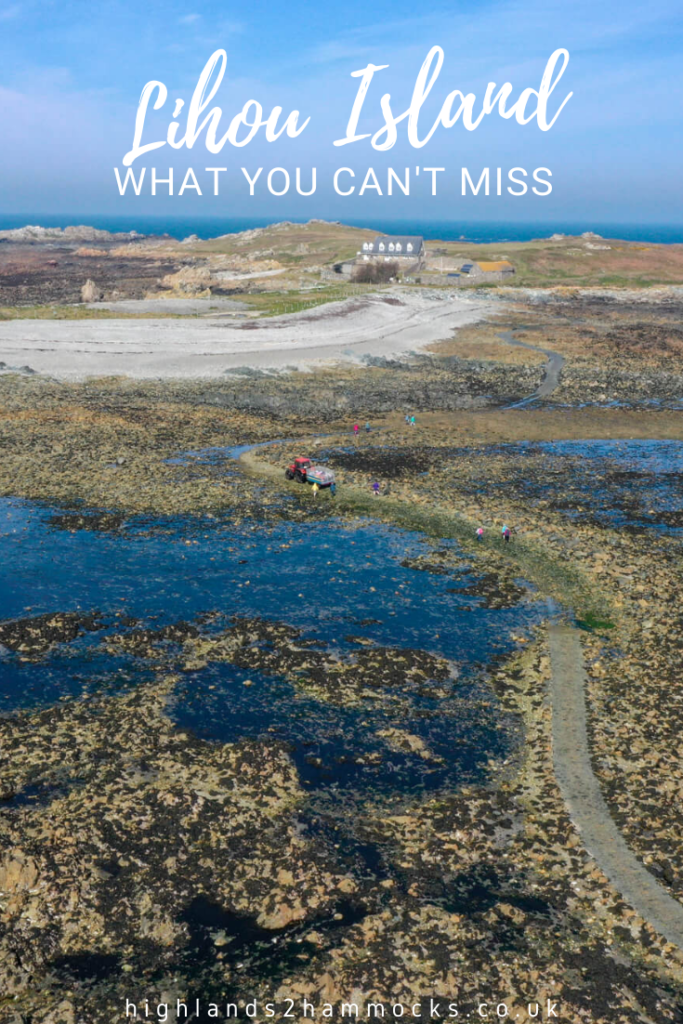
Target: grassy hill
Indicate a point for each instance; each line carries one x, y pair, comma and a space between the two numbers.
544, 262
574, 261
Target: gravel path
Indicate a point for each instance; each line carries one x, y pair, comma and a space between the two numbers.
552, 368
584, 799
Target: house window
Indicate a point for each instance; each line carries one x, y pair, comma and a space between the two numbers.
409, 247
365, 246
398, 247
381, 246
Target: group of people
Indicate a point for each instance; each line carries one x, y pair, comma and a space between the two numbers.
332, 489
505, 533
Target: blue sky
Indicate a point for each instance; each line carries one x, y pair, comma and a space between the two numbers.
71, 74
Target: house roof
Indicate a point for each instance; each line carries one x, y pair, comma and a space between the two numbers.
494, 265
390, 243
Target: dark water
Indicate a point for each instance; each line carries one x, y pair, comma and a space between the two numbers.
471, 231
336, 585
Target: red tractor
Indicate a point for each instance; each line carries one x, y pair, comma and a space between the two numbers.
297, 470
305, 472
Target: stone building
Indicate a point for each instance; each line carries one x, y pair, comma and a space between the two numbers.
494, 271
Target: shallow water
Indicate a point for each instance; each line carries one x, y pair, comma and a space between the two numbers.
336, 584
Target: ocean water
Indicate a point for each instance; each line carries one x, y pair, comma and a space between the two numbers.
447, 230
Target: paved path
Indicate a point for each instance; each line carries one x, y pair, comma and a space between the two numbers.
584, 799
552, 368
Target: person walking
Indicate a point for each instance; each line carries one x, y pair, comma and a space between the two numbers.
333, 489
375, 489
356, 428
480, 533
412, 421
408, 418
315, 490
506, 533
367, 427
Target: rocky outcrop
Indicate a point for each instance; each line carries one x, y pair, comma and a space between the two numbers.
189, 281
90, 292
72, 233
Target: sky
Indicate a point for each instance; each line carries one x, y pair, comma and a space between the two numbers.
71, 74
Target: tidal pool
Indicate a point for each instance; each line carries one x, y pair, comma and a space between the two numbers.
635, 485
375, 607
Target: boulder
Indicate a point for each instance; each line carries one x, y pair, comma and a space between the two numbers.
90, 292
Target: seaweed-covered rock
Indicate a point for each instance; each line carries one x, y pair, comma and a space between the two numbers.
33, 637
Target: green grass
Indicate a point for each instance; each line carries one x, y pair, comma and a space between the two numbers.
592, 623
279, 303
270, 303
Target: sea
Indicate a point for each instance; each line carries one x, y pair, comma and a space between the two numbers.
467, 231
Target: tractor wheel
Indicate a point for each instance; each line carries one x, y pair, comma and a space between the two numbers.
300, 477
288, 474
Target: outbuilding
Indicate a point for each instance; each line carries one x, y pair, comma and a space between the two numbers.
488, 270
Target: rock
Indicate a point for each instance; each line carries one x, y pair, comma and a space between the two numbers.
189, 281
90, 292
75, 233
18, 872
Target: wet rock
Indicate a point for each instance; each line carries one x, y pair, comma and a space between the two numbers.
33, 637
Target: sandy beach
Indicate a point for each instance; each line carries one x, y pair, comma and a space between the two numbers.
389, 324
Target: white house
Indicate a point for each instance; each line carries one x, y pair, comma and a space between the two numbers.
392, 247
